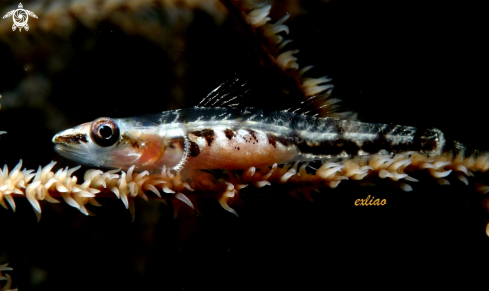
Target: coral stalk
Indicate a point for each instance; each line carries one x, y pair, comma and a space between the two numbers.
45, 184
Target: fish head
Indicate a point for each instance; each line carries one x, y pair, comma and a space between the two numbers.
112, 143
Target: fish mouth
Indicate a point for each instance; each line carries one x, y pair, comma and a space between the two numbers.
64, 150
60, 148
77, 154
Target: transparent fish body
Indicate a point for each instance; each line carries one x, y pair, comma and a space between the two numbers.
235, 139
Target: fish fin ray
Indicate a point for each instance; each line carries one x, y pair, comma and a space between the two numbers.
231, 93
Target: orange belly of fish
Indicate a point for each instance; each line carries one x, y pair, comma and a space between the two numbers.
242, 151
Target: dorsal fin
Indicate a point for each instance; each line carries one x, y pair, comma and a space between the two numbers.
315, 105
229, 94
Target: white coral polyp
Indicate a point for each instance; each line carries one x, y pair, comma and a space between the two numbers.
44, 183
259, 17
125, 186
10, 183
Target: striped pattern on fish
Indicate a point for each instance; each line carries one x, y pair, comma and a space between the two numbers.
235, 139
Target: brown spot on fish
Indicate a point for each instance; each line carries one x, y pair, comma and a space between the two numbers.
374, 146
329, 147
134, 143
428, 140
229, 133
180, 141
283, 140
208, 134
253, 134
71, 139
424, 141
194, 149
272, 140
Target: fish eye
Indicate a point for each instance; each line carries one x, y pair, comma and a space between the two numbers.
104, 132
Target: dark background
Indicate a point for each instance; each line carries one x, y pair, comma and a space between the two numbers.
411, 63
